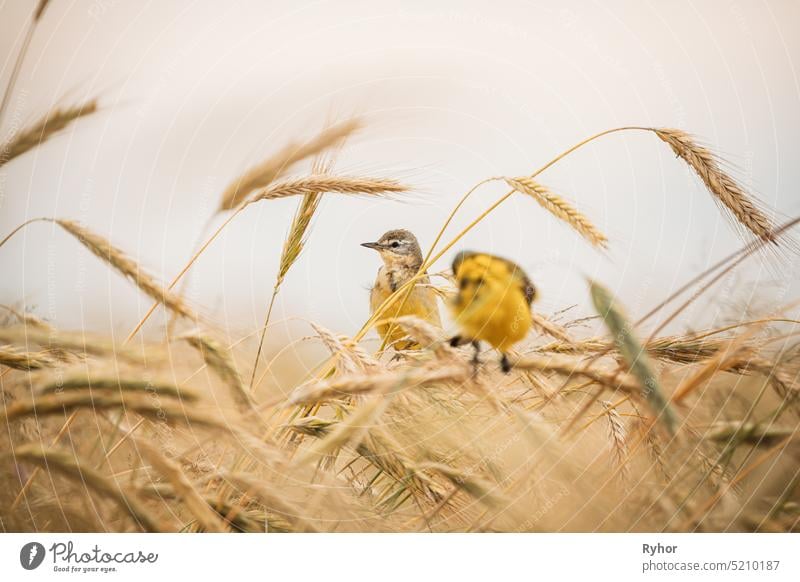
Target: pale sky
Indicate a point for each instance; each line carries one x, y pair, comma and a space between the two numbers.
453, 92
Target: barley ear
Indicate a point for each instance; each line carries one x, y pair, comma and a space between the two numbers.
127, 267
559, 208
326, 183
43, 129
263, 174
218, 358
727, 191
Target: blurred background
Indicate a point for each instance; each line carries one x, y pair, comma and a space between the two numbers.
193, 93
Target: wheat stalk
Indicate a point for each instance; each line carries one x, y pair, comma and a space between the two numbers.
23, 51
545, 325
474, 486
115, 384
68, 466
182, 486
271, 500
19, 360
219, 359
570, 367
59, 403
29, 319
44, 129
354, 359
292, 247
559, 208
727, 190
127, 267
295, 241
272, 168
370, 383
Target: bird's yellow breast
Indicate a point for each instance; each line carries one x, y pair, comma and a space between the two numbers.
421, 303
492, 301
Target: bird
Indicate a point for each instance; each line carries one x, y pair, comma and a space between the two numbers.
402, 259
492, 303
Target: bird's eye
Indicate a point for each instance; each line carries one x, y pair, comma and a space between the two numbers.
463, 284
395, 244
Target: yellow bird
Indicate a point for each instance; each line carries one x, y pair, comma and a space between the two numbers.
402, 259
493, 303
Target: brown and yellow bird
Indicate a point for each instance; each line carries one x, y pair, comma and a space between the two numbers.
493, 303
402, 259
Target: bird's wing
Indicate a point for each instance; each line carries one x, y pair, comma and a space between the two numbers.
527, 287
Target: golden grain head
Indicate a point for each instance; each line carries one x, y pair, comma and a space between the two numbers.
263, 174
127, 267
42, 130
219, 359
725, 189
559, 208
325, 183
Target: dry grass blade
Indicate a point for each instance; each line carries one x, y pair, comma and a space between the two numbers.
44, 129
50, 460
19, 360
559, 208
326, 183
729, 193
269, 170
183, 488
117, 384
219, 359
126, 266
633, 353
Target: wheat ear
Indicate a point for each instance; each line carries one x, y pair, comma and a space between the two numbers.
127, 267
325, 183
272, 168
42, 130
67, 465
727, 190
559, 208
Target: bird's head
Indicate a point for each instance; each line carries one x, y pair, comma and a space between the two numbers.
398, 248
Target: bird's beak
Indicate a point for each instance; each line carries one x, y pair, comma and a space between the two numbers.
372, 245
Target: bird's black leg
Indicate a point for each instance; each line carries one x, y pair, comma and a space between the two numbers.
505, 365
455, 341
